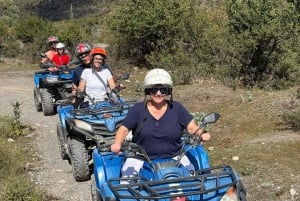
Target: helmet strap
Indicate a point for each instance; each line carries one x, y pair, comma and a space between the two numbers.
171, 99
146, 92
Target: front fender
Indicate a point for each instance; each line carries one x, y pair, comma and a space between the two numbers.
203, 157
107, 165
198, 157
64, 112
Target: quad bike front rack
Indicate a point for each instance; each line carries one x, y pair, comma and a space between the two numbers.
211, 181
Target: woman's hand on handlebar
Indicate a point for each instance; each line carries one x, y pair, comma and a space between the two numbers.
115, 148
52, 69
205, 136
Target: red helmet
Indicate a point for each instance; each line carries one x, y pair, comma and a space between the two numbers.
98, 50
82, 48
52, 39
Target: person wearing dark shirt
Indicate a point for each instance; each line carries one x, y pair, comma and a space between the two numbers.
156, 124
82, 52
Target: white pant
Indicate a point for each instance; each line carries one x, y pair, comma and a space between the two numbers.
132, 166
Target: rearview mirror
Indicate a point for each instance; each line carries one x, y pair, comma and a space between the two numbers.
124, 76
210, 118
43, 55
75, 62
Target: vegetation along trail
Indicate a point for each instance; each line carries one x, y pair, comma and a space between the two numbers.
52, 173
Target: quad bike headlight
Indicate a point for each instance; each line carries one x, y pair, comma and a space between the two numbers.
230, 195
83, 125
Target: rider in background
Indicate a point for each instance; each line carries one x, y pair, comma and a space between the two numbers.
82, 52
96, 80
61, 58
157, 124
52, 41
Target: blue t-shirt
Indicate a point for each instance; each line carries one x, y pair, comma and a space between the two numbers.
160, 138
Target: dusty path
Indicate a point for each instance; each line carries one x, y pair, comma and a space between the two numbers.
53, 174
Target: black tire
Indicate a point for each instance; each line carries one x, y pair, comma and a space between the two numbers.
47, 102
37, 100
242, 197
241, 191
95, 194
79, 160
61, 142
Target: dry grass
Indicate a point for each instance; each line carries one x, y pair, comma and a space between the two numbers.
16, 65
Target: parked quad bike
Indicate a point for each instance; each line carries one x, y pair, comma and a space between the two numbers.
165, 179
52, 88
80, 129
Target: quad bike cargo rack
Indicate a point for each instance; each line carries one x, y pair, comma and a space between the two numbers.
206, 181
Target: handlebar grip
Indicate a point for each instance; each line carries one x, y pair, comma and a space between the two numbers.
64, 67
80, 94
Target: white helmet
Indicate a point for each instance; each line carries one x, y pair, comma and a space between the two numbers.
158, 76
60, 46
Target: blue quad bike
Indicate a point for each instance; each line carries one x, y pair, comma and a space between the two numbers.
52, 88
79, 130
165, 179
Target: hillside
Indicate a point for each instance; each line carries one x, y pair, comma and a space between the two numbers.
61, 10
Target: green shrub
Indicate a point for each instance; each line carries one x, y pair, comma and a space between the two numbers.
145, 26
15, 184
198, 116
71, 33
9, 11
5, 159
291, 115
22, 189
32, 32
181, 36
11, 126
291, 119
32, 29
268, 40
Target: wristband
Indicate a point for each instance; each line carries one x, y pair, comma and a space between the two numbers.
197, 131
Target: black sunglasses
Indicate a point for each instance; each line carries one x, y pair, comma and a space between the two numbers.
162, 90
83, 56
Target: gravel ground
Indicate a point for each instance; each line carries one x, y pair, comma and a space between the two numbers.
53, 174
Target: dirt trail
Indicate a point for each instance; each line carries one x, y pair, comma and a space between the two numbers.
53, 174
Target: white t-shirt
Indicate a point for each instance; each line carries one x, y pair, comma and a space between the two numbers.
94, 87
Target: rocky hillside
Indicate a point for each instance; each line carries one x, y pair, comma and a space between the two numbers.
54, 10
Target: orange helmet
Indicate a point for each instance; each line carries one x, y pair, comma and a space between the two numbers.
98, 50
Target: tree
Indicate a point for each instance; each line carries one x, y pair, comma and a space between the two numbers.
266, 32
185, 36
